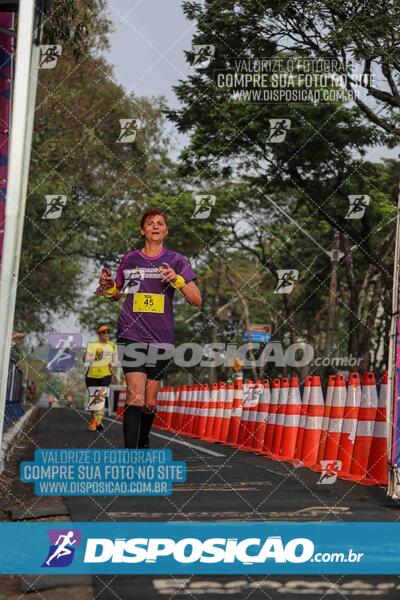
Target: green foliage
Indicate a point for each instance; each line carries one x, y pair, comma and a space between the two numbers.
75, 153
76, 24
287, 200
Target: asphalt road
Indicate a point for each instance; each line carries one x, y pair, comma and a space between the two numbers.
223, 484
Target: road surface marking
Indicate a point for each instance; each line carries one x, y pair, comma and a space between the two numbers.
175, 441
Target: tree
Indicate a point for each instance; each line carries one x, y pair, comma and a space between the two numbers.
362, 34
76, 24
292, 196
75, 154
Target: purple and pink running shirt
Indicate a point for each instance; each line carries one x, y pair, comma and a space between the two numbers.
139, 275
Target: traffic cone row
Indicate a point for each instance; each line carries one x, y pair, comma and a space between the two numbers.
121, 404
347, 429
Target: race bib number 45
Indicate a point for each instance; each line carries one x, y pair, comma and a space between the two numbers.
153, 303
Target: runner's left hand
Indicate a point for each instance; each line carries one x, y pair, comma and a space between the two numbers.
168, 273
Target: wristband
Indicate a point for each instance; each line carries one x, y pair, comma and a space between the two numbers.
178, 283
111, 291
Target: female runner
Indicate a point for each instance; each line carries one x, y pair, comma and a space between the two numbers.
148, 278
100, 356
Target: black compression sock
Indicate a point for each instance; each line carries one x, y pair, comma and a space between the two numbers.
131, 425
145, 426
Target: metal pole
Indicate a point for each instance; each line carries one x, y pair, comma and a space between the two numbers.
20, 148
393, 485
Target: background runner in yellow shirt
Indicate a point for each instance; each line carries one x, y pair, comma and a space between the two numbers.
100, 354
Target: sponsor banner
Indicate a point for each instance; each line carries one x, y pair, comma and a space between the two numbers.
396, 414
200, 548
6, 60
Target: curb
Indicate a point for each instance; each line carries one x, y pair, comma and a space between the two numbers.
11, 434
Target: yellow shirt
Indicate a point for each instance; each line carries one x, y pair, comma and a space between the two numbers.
100, 367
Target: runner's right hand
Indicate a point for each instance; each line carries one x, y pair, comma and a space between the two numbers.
105, 279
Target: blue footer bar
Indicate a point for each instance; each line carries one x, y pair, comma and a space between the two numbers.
200, 548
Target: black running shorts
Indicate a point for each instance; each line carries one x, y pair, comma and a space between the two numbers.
98, 381
139, 357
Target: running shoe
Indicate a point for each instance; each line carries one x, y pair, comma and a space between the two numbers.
92, 425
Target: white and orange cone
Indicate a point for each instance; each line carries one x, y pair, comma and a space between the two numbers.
261, 418
280, 416
291, 422
303, 417
273, 407
313, 425
335, 419
349, 425
237, 408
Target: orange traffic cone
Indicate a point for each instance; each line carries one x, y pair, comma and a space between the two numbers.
325, 423
176, 408
291, 422
169, 406
199, 427
237, 407
212, 407
280, 416
303, 417
335, 419
121, 404
226, 417
219, 412
182, 408
365, 428
349, 425
262, 417
253, 407
186, 399
273, 407
377, 472
193, 409
244, 420
160, 415
313, 426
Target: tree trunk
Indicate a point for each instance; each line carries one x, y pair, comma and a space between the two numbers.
331, 313
246, 318
353, 326
214, 319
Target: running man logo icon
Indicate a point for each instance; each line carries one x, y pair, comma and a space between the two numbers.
54, 206
357, 207
330, 470
204, 204
133, 277
98, 398
63, 543
62, 351
278, 130
286, 280
49, 55
129, 129
203, 53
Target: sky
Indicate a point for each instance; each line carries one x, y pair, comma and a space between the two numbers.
147, 51
147, 47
